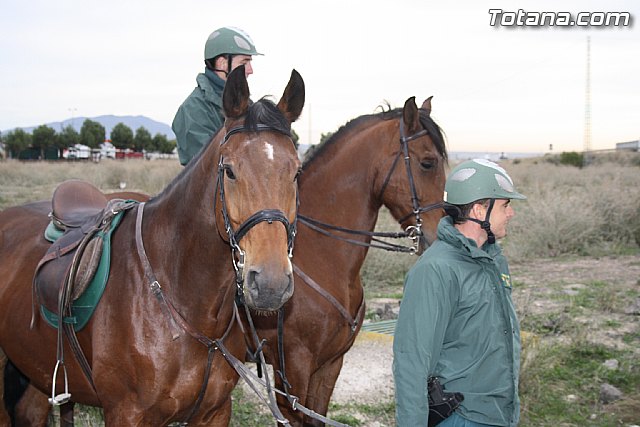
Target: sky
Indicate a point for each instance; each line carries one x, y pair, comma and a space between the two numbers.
495, 88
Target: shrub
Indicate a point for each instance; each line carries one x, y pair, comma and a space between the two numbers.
572, 159
588, 211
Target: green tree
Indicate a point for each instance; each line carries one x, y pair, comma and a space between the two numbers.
92, 133
68, 137
162, 145
16, 141
572, 158
295, 138
142, 139
43, 138
122, 136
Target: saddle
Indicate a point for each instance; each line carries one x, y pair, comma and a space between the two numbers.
82, 219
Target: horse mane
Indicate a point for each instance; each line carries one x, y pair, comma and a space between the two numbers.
265, 112
435, 132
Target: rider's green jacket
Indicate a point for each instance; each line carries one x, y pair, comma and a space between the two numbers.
199, 117
457, 322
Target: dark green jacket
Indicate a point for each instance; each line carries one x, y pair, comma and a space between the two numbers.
457, 321
199, 117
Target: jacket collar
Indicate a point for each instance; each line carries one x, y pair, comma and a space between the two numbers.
448, 233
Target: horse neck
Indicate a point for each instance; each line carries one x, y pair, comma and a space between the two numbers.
337, 188
184, 245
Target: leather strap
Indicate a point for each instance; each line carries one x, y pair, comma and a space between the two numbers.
353, 322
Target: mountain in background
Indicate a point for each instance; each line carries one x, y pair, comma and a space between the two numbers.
109, 122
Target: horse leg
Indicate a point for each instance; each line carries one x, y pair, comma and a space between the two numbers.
298, 375
5, 420
321, 385
66, 414
33, 409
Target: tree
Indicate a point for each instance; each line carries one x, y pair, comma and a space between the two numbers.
68, 137
142, 140
122, 136
16, 141
92, 133
162, 145
43, 138
295, 138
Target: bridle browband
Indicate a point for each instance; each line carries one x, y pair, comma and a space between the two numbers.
256, 128
413, 232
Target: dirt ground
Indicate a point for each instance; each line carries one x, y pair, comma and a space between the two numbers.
366, 375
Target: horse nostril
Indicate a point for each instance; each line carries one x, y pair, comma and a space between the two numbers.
252, 276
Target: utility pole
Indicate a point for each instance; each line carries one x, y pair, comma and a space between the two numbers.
587, 109
73, 110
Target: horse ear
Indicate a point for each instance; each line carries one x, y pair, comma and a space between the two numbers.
292, 99
410, 114
235, 97
426, 105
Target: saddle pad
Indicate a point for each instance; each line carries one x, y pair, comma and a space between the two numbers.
82, 308
52, 233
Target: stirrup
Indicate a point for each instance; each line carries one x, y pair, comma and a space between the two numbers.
61, 398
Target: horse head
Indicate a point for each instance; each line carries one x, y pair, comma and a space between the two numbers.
257, 181
413, 186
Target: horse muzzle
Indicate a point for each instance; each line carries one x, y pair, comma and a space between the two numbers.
266, 290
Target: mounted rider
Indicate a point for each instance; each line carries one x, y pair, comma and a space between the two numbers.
200, 116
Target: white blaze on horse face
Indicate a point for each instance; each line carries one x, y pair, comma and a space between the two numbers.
268, 149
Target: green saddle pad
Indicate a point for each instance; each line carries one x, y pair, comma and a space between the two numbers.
82, 308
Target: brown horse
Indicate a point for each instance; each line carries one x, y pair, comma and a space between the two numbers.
157, 349
395, 158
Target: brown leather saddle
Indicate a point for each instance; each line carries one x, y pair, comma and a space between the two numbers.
83, 214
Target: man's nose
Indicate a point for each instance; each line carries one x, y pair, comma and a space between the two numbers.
248, 69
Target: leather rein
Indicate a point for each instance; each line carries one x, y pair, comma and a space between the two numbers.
179, 325
412, 232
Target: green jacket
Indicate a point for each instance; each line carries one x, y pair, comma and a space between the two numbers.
457, 322
199, 117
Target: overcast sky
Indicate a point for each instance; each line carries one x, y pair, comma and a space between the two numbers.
511, 89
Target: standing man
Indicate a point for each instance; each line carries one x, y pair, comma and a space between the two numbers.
457, 322
200, 116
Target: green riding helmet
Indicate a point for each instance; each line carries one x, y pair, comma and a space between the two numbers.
478, 179
229, 41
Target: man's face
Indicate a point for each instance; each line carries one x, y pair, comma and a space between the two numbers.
238, 60
501, 214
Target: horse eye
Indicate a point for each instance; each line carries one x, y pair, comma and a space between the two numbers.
427, 164
229, 172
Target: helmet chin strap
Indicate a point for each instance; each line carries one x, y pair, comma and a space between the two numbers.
486, 225
218, 70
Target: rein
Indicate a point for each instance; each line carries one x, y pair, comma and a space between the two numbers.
413, 232
178, 324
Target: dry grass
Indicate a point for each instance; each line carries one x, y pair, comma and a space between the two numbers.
22, 182
589, 211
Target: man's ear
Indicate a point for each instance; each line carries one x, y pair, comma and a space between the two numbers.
478, 211
221, 63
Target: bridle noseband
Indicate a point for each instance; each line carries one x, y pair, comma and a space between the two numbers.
268, 215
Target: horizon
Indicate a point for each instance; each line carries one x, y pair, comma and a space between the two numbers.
499, 88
